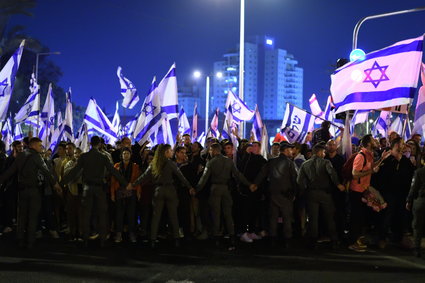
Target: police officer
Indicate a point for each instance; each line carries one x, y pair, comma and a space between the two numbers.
28, 165
416, 203
220, 170
282, 188
316, 178
92, 165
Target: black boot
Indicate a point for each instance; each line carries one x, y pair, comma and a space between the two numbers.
177, 243
153, 244
417, 252
217, 242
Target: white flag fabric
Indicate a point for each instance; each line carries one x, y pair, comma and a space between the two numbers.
397, 126
97, 120
382, 123
7, 80
264, 142
31, 108
257, 125
385, 78
128, 91
214, 125
18, 134
116, 119
48, 118
315, 108
167, 91
240, 110
184, 126
7, 133
195, 123
68, 124
359, 117
296, 124
57, 137
419, 123
229, 124
150, 117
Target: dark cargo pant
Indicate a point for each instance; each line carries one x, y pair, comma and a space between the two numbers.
94, 196
280, 203
29, 204
319, 200
221, 200
418, 223
165, 195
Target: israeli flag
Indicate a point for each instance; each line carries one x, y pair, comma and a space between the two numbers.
419, 122
7, 80
359, 117
18, 134
408, 130
7, 133
229, 124
97, 120
48, 118
214, 125
397, 126
31, 108
381, 124
150, 117
128, 129
240, 110
257, 126
329, 115
116, 119
167, 91
82, 139
315, 108
296, 124
57, 137
195, 123
68, 125
201, 138
128, 91
265, 143
384, 78
184, 126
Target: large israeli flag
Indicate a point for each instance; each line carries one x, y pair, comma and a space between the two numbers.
419, 123
240, 110
7, 80
184, 126
31, 108
384, 78
167, 91
128, 91
150, 117
97, 120
296, 124
48, 118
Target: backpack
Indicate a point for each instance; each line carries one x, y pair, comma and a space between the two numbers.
347, 169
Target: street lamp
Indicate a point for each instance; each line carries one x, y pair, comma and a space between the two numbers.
197, 75
36, 79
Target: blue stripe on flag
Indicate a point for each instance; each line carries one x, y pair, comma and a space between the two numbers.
170, 109
377, 96
148, 126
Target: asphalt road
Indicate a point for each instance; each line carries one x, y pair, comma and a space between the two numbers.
61, 261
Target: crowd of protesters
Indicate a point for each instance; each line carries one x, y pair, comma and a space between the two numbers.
220, 191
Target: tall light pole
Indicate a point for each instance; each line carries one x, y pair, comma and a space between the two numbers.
198, 75
242, 57
36, 79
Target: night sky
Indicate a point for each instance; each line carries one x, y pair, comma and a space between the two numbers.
146, 37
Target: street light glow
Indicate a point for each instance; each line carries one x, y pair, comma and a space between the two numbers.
197, 74
219, 75
269, 41
357, 54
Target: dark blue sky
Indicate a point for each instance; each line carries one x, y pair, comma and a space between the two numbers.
146, 37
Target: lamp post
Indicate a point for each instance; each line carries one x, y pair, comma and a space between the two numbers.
242, 58
36, 79
198, 75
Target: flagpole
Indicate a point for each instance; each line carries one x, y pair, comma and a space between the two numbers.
242, 58
335, 125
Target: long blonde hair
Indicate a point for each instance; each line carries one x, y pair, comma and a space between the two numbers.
159, 159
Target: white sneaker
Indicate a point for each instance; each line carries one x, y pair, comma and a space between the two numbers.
245, 238
254, 236
54, 234
118, 237
133, 238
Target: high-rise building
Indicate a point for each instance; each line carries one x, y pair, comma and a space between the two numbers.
272, 78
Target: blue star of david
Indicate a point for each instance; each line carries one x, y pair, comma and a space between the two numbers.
236, 108
382, 78
148, 108
4, 84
